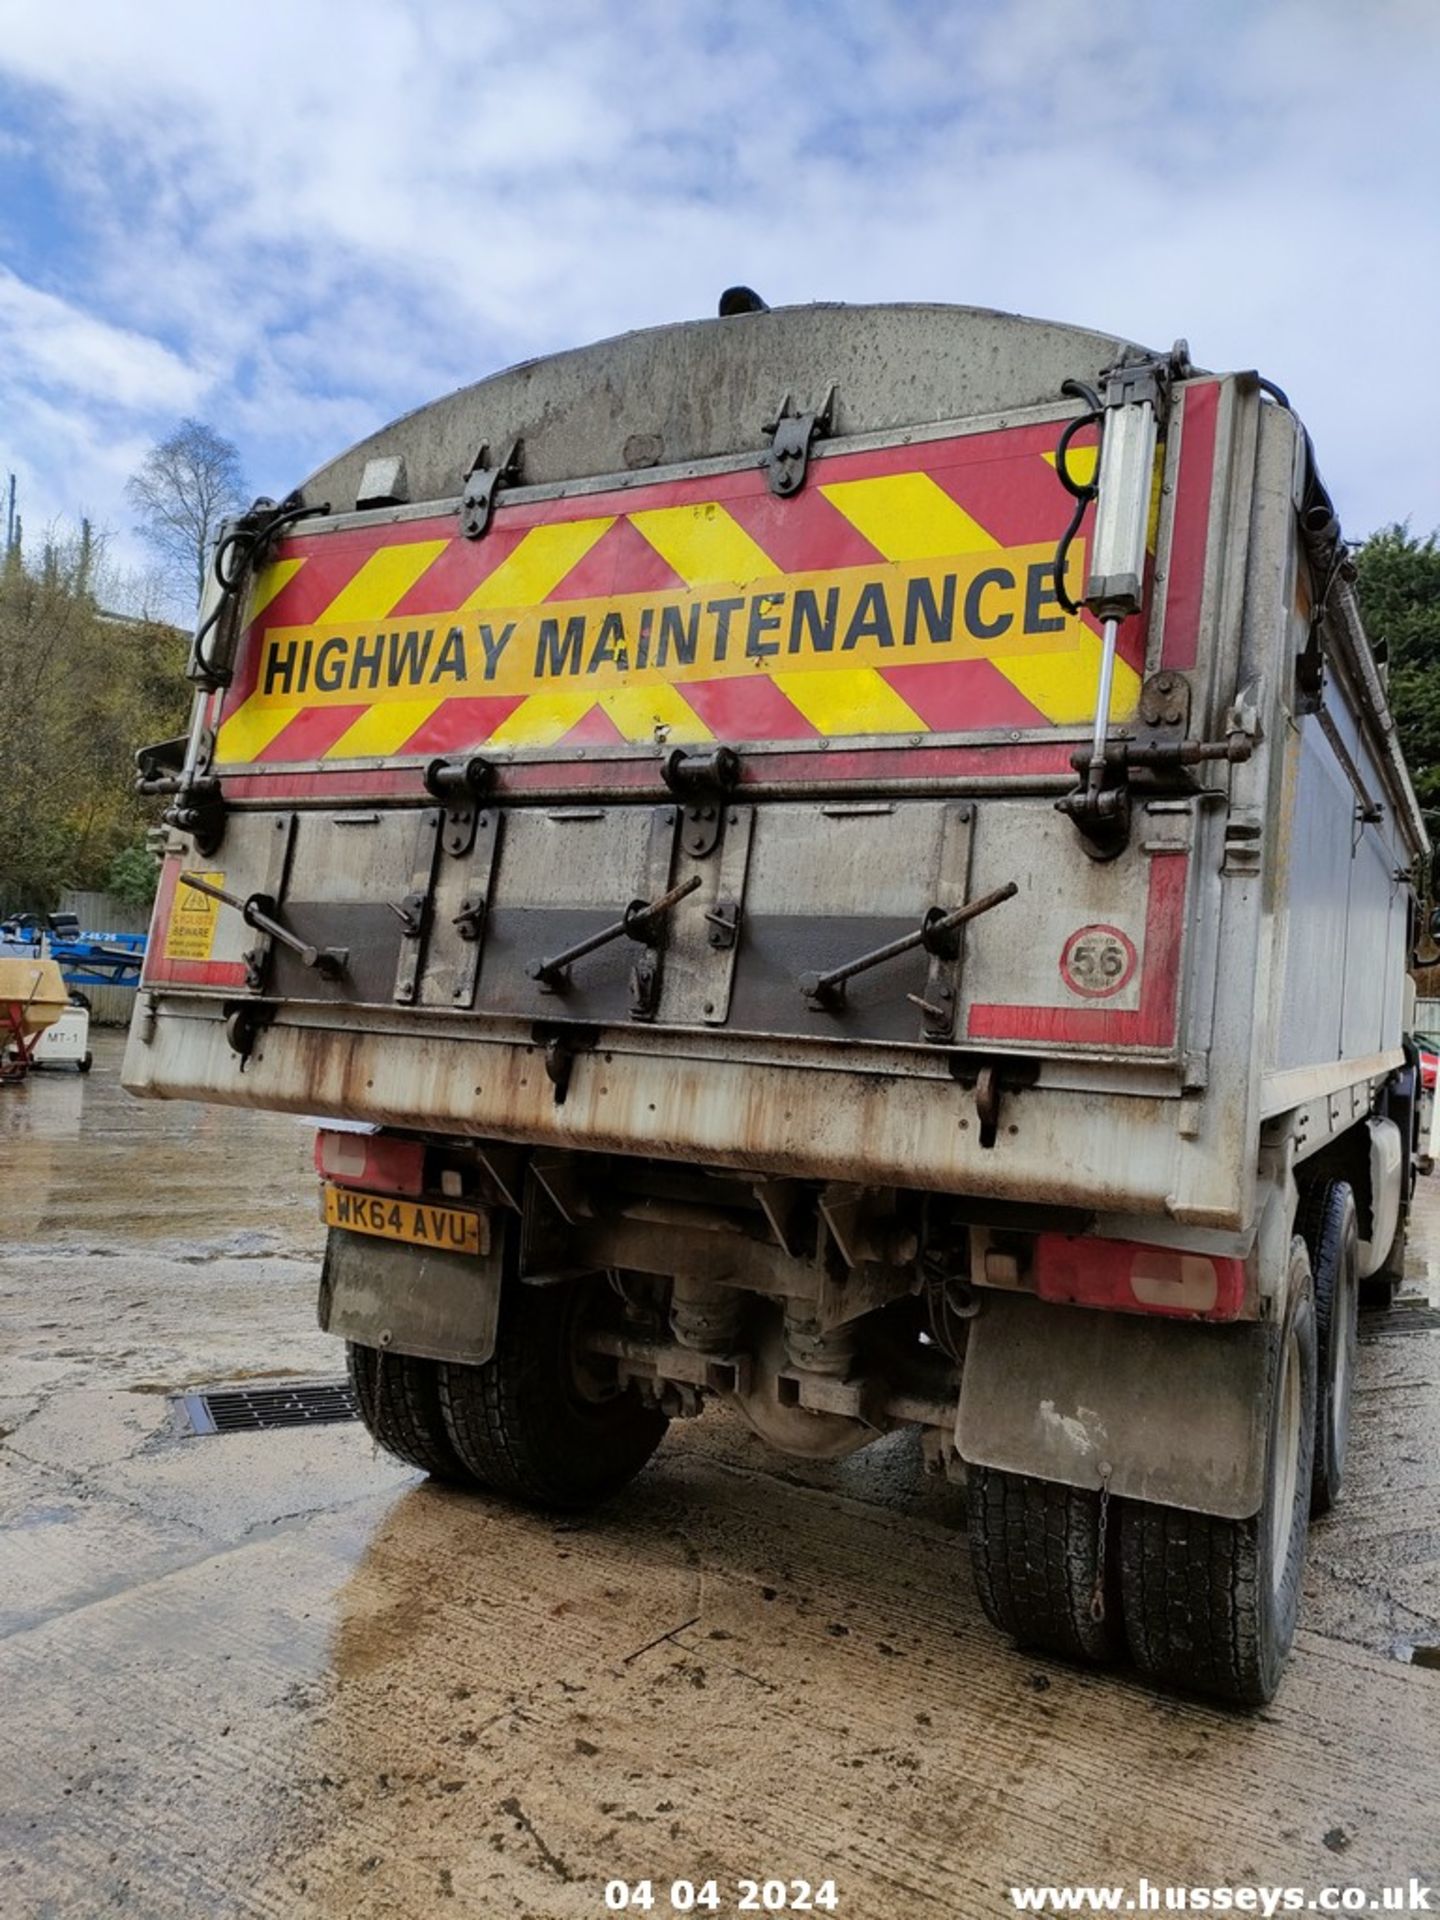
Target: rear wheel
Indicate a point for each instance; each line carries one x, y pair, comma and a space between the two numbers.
540, 1421
1040, 1565
1210, 1604
398, 1396
1331, 1231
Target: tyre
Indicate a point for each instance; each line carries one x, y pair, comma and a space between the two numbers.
1332, 1234
1210, 1605
536, 1421
398, 1397
84, 1066
1042, 1571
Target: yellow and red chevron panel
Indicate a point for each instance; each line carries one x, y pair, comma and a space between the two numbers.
906, 594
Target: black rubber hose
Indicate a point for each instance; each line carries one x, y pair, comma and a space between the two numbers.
1081, 491
245, 543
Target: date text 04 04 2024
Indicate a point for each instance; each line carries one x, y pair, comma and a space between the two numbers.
708, 1896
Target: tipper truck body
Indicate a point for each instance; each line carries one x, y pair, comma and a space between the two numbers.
848, 860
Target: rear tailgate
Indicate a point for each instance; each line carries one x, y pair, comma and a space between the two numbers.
886, 652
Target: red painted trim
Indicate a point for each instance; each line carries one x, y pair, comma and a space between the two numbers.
794, 531
197, 973
621, 561
1152, 1023
307, 736
961, 449
753, 709
461, 723
959, 696
1190, 530
1012, 760
593, 729
455, 573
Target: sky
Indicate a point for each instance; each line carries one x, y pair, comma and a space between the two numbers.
295, 221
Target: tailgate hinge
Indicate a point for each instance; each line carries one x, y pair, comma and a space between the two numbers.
460, 784
702, 780
790, 434
481, 482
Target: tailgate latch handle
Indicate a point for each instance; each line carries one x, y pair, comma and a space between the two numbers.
259, 912
938, 933
477, 502
640, 921
412, 912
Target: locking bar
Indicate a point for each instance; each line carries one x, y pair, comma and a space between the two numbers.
416, 910
640, 921
938, 933
469, 922
259, 912
1167, 756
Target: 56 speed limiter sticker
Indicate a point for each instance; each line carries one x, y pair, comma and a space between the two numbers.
1098, 961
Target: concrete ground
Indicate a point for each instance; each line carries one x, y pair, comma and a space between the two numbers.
278, 1674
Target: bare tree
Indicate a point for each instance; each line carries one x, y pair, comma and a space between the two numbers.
185, 487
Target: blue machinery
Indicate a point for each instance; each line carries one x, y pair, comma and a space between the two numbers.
85, 959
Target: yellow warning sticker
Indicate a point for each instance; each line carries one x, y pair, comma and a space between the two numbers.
191, 932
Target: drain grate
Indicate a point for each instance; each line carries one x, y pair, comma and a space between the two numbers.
305, 1403
1399, 1320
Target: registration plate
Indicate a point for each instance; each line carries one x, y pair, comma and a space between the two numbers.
446, 1229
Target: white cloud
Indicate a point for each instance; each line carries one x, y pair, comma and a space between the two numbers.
342, 210
47, 341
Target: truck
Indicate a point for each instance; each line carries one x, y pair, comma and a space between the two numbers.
849, 861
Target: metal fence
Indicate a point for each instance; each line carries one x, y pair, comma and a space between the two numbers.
101, 913
1427, 1016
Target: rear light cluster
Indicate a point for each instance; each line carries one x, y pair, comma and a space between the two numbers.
374, 1161
1129, 1277
380, 1163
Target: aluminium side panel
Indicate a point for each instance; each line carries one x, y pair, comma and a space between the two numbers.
1343, 904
